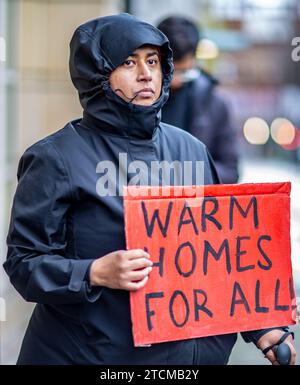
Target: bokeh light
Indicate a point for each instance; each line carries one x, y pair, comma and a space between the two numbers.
207, 49
283, 131
256, 131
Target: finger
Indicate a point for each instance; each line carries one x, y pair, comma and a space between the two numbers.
140, 263
134, 286
271, 357
140, 274
136, 253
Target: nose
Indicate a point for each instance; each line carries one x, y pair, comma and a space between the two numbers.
144, 73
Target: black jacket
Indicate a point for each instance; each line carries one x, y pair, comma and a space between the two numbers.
60, 224
199, 109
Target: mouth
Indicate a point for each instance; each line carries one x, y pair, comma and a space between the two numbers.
145, 93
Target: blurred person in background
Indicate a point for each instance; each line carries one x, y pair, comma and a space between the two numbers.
66, 242
195, 103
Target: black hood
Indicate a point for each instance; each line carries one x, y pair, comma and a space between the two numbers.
96, 49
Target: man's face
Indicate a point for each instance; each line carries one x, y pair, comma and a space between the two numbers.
180, 66
139, 78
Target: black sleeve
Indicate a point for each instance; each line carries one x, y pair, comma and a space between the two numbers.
37, 262
254, 335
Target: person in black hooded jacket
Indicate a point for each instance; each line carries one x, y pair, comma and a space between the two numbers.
66, 241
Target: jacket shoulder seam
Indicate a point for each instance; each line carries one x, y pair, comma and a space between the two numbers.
65, 167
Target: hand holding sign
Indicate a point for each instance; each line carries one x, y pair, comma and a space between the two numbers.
127, 270
219, 267
278, 347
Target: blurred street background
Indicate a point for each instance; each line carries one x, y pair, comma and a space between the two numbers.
250, 46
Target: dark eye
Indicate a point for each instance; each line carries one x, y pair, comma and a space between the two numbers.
152, 61
128, 62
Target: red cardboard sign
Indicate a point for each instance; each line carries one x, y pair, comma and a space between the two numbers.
221, 262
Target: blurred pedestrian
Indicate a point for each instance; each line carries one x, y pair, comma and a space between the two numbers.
195, 104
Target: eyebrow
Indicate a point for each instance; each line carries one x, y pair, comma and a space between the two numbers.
148, 54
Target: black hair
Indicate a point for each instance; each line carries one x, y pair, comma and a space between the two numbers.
182, 33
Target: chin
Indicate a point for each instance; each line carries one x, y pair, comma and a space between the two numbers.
144, 102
